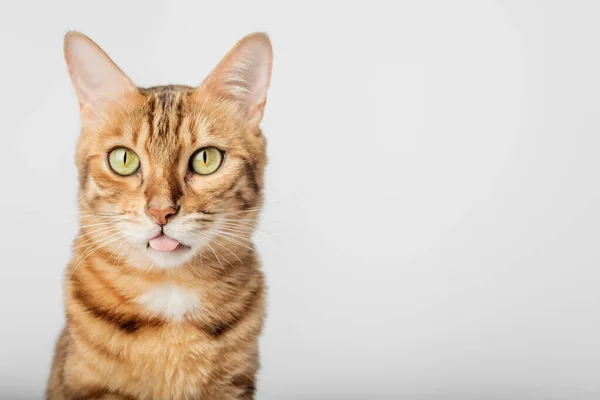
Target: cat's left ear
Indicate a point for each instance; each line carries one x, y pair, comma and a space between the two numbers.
243, 76
96, 78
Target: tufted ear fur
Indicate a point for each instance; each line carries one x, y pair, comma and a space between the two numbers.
243, 76
96, 78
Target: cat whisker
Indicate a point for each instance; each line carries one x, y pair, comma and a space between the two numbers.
127, 248
150, 268
239, 229
235, 255
105, 218
91, 236
217, 255
248, 230
248, 210
91, 240
241, 236
240, 232
74, 214
120, 246
206, 100
94, 238
230, 237
95, 230
89, 252
245, 220
97, 224
248, 226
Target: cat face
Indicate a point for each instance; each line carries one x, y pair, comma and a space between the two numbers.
172, 173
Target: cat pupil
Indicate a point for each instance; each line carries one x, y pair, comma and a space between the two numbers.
204, 156
125, 158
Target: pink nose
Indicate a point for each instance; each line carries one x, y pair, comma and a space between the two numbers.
161, 217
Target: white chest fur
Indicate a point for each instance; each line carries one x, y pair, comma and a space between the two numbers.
170, 300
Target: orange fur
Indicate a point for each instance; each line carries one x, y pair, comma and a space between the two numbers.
115, 346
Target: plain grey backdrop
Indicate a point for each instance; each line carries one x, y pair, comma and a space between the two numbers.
431, 224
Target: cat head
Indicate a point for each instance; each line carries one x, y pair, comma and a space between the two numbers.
170, 173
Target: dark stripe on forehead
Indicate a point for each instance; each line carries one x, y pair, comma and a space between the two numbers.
135, 135
169, 103
166, 98
151, 108
163, 104
178, 115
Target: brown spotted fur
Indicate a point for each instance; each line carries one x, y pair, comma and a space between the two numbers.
111, 348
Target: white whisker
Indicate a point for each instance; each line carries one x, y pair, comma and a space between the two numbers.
97, 224
226, 235
235, 255
216, 255
102, 244
128, 247
91, 236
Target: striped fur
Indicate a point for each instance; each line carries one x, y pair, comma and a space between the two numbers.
139, 330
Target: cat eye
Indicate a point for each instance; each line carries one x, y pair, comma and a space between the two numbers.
206, 160
123, 161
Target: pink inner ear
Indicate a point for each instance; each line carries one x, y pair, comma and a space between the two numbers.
244, 74
96, 78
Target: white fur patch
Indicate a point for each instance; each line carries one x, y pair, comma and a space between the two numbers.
170, 300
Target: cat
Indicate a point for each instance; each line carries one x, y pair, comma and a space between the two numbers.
164, 295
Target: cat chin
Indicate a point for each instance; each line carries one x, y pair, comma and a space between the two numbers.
170, 259
150, 258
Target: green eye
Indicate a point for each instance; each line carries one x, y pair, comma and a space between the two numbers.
123, 161
206, 161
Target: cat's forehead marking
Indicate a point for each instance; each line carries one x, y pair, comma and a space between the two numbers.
164, 116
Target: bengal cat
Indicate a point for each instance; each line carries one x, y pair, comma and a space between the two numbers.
164, 296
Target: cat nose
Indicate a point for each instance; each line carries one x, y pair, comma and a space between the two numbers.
161, 216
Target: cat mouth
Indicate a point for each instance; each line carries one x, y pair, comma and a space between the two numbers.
166, 244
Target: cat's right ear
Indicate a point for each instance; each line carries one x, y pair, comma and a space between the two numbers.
96, 78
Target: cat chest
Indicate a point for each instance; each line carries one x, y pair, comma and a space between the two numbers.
170, 301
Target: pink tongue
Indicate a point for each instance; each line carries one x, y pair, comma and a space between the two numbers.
163, 243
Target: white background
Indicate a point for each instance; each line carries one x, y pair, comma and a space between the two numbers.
432, 193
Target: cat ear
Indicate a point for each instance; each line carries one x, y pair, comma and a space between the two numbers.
96, 78
244, 75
